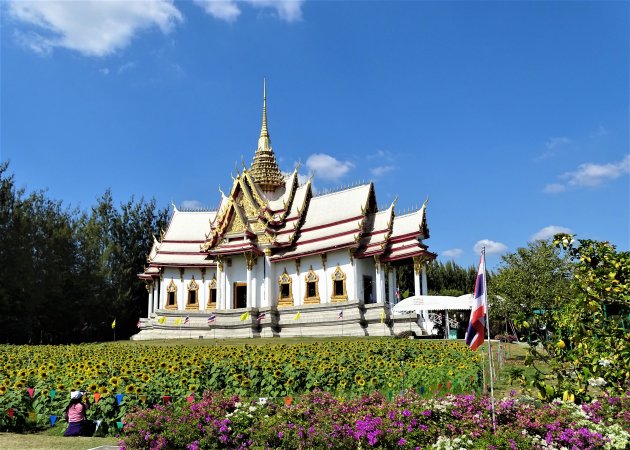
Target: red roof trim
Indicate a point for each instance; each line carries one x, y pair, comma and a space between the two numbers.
319, 227
314, 252
404, 237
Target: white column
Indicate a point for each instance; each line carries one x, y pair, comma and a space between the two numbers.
395, 284
203, 301
416, 276
379, 282
150, 302
382, 277
255, 299
298, 299
156, 288
249, 286
228, 293
268, 300
355, 280
220, 294
325, 298
425, 290
182, 289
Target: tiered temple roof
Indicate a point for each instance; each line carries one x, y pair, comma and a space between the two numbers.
266, 212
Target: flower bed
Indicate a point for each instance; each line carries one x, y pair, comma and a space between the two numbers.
321, 421
35, 380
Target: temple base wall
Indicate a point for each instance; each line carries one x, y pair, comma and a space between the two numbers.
351, 318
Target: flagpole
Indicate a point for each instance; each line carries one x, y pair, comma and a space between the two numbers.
494, 425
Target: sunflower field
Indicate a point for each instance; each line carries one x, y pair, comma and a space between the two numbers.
35, 381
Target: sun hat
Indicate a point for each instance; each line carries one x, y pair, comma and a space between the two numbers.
75, 395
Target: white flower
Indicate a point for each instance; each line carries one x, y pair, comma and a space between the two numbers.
604, 362
597, 381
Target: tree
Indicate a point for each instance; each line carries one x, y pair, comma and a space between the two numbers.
591, 342
532, 279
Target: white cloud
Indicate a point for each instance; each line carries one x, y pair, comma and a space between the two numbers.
287, 10
590, 175
191, 204
223, 10
229, 10
381, 170
547, 232
104, 71
554, 188
452, 253
326, 167
93, 28
491, 246
594, 174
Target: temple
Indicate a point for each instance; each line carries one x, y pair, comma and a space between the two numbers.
276, 259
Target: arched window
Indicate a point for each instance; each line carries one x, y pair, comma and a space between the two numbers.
285, 289
192, 301
339, 293
212, 297
171, 295
311, 294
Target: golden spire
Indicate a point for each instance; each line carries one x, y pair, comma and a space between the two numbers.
264, 167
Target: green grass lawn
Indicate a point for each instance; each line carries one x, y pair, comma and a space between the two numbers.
49, 440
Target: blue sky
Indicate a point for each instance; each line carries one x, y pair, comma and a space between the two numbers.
511, 116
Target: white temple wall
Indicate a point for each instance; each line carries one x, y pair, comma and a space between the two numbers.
314, 262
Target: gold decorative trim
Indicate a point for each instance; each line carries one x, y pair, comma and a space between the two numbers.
284, 280
418, 262
171, 289
311, 277
339, 276
250, 259
212, 286
192, 287
181, 273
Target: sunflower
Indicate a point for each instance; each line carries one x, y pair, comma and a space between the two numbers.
103, 390
145, 377
246, 383
45, 392
290, 382
130, 389
361, 382
138, 390
114, 381
3, 389
18, 385
92, 387
277, 373
193, 387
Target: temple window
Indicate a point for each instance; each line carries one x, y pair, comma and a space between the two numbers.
171, 295
212, 289
312, 290
193, 299
339, 292
285, 290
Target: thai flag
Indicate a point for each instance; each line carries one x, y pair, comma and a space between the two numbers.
211, 319
186, 320
397, 294
477, 324
340, 316
261, 316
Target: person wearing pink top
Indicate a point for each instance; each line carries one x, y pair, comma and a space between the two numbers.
78, 425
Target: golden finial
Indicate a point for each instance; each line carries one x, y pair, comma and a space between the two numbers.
264, 168
263, 131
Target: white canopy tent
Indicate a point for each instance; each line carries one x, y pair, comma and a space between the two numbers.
420, 303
